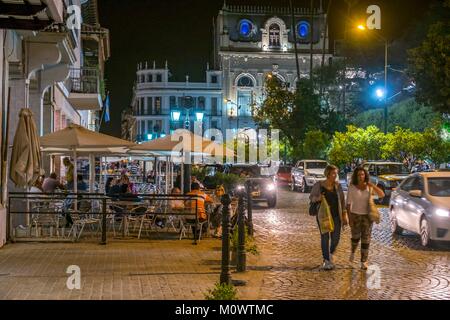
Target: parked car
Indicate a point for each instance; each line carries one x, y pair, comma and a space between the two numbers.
284, 175
386, 175
421, 204
262, 181
306, 173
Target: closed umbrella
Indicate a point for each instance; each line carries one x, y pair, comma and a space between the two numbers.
25, 166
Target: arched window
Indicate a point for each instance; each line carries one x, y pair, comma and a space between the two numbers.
245, 81
274, 36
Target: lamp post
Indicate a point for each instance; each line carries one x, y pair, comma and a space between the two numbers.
363, 28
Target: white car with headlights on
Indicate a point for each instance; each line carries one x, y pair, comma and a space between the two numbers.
421, 204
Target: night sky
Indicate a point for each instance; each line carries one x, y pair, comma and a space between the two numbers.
180, 31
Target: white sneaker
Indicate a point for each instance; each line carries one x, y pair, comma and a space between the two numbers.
364, 265
352, 257
327, 265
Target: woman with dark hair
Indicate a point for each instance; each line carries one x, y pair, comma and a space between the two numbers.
331, 190
108, 185
358, 197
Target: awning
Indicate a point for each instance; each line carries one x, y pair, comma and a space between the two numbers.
29, 14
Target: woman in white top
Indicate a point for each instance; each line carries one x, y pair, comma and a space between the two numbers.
358, 205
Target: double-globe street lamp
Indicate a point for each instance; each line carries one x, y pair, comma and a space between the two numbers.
176, 116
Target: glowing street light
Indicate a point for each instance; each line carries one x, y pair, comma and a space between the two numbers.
380, 93
361, 27
199, 116
176, 115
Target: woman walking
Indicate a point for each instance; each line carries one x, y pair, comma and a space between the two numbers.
331, 190
358, 197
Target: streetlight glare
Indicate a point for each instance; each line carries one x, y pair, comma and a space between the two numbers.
379, 93
361, 27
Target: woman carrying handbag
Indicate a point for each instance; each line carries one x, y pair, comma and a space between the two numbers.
331, 214
363, 212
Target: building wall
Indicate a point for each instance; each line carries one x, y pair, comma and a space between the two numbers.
243, 62
172, 97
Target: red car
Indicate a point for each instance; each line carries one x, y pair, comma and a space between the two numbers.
284, 175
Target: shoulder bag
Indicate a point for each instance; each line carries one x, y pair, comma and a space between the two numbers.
374, 214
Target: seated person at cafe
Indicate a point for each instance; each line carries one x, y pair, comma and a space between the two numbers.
125, 184
108, 184
199, 203
176, 204
37, 187
81, 184
52, 183
195, 180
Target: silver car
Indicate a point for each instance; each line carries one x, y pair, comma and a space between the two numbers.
421, 204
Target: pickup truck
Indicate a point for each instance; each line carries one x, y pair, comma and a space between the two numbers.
306, 173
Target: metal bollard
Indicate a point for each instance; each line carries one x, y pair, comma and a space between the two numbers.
225, 276
241, 252
103, 242
249, 208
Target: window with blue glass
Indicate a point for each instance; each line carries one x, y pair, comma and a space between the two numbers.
303, 29
245, 28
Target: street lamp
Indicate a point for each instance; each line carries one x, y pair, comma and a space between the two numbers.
380, 93
384, 94
199, 116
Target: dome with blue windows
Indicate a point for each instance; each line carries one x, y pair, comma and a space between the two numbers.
245, 28
303, 29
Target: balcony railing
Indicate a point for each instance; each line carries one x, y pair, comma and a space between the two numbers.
84, 80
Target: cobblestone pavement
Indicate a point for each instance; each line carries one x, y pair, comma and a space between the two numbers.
287, 268
290, 260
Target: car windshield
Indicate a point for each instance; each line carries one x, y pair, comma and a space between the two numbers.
391, 169
249, 172
316, 165
439, 187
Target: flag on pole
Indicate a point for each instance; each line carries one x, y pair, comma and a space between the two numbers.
106, 106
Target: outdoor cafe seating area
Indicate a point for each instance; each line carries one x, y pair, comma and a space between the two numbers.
129, 193
60, 217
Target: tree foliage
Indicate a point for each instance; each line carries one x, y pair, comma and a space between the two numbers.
429, 64
405, 114
403, 145
315, 145
293, 113
356, 143
400, 145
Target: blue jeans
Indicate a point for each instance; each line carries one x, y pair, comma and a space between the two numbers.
329, 241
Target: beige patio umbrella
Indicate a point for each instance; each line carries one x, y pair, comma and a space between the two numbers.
183, 143
79, 140
186, 141
25, 165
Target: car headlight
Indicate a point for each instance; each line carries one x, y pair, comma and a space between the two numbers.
442, 213
270, 187
240, 187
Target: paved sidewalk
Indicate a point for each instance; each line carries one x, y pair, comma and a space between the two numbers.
288, 267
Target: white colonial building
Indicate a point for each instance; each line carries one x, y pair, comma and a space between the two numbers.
251, 43
161, 106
